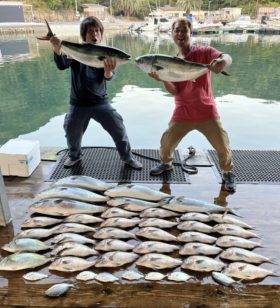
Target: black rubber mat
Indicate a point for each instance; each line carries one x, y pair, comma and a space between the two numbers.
104, 164
252, 167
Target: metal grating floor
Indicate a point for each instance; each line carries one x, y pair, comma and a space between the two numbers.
252, 167
104, 164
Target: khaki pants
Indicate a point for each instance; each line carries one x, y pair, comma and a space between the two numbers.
211, 129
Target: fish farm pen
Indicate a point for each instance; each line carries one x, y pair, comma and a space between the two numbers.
255, 203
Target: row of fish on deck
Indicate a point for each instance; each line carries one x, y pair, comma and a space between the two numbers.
129, 229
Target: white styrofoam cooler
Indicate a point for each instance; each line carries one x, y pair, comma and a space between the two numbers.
19, 157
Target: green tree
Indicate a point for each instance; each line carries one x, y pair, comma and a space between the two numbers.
131, 7
189, 5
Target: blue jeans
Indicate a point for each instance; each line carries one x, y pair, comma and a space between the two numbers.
76, 122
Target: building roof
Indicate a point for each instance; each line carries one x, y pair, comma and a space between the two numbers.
93, 5
4, 3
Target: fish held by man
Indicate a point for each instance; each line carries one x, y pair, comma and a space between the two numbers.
170, 68
89, 54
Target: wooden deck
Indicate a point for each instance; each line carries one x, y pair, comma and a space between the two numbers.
257, 204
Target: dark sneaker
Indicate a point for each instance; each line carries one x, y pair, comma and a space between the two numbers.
158, 170
229, 181
134, 164
69, 163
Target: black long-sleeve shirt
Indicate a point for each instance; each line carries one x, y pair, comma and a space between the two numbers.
88, 84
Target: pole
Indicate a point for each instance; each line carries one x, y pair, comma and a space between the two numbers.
5, 215
76, 8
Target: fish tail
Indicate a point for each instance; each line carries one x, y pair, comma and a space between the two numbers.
48, 35
272, 261
231, 211
225, 73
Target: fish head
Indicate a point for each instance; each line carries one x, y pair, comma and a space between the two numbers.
145, 62
117, 201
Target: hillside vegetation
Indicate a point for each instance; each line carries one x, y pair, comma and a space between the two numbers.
139, 8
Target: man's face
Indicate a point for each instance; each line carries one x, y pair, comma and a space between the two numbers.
93, 35
181, 35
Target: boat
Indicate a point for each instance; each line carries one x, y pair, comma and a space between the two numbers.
242, 24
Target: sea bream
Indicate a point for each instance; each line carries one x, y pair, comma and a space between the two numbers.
153, 233
241, 254
132, 204
158, 213
26, 244
158, 261
195, 248
235, 241
136, 191
73, 249
113, 245
89, 54
71, 264
154, 246
40, 221
64, 207
170, 68
23, 260
246, 271
115, 259
120, 222
231, 229
117, 212
202, 264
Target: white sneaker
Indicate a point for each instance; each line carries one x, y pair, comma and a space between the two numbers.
69, 163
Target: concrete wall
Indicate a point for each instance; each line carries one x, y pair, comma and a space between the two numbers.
11, 13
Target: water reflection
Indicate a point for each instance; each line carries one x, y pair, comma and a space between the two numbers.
17, 50
35, 106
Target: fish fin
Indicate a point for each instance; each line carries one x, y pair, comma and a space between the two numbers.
165, 200
101, 58
157, 67
225, 73
231, 211
48, 35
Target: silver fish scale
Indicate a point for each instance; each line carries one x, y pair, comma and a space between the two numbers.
154, 246
83, 181
192, 236
137, 192
158, 261
246, 271
240, 254
235, 241
155, 234
115, 259
202, 264
58, 289
158, 213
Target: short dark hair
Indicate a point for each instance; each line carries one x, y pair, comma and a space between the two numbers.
183, 21
90, 21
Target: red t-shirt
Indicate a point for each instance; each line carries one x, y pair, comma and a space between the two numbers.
195, 101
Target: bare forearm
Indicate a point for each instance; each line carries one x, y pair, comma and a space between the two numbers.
170, 87
218, 65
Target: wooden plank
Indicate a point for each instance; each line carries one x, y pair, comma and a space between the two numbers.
5, 214
142, 295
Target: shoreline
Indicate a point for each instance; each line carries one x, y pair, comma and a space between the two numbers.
60, 28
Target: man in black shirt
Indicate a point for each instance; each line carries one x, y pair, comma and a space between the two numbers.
89, 99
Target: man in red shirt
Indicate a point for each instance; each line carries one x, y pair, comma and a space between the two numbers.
195, 107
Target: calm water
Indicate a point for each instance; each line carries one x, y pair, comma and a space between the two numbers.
34, 94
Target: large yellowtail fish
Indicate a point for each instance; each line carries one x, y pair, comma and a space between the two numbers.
89, 54
171, 68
